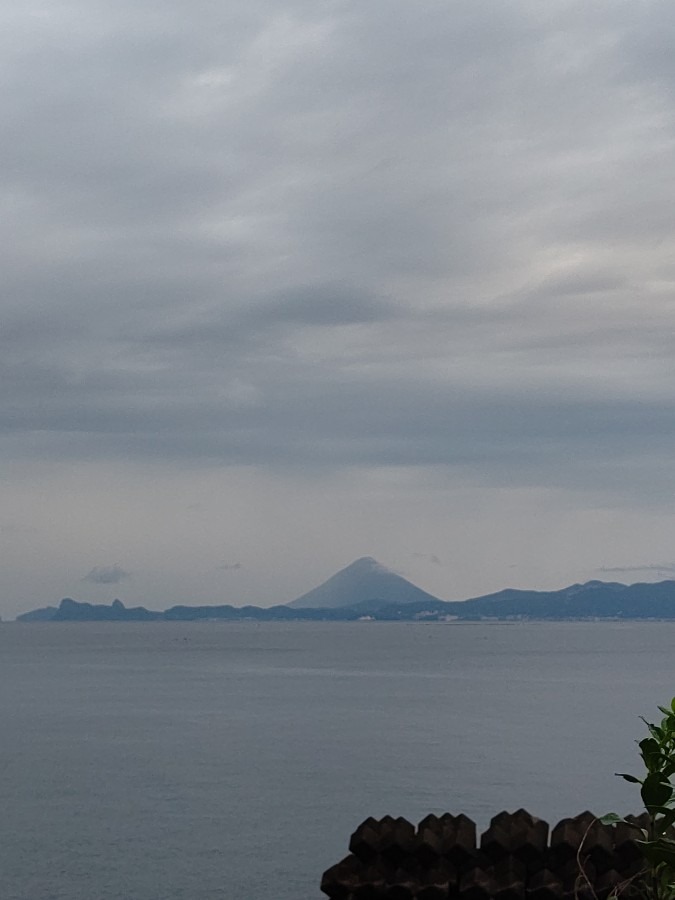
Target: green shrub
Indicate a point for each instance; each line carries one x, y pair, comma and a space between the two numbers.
656, 841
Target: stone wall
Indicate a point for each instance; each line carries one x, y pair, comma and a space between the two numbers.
517, 858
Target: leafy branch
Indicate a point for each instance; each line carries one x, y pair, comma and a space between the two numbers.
658, 796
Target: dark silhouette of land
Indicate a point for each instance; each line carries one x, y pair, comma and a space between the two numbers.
367, 590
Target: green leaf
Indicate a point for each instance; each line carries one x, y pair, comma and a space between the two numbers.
655, 791
631, 778
658, 852
614, 819
656, 732
662, 824
651, 753
672, 704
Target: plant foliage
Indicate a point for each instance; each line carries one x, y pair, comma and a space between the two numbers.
657, 841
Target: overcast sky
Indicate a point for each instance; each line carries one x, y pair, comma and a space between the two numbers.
290, 282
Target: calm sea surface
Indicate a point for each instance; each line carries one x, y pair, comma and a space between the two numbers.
186, 761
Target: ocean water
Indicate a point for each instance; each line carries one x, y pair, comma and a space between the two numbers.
195, 761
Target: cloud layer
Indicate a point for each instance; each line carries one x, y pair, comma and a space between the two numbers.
325, 237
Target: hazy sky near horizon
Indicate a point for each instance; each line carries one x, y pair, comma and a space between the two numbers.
288, 283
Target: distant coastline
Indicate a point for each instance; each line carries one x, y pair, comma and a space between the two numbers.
594, 600
365, 590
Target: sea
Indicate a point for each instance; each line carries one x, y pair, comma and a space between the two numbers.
232, 761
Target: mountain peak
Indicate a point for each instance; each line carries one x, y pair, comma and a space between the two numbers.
365, 564
364, 579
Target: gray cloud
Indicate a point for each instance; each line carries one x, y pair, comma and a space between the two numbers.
231, 567
235, 204
107, 575
321, 237
428, 557
665, 568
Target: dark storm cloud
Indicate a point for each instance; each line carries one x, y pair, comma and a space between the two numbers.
106, 575
335, 234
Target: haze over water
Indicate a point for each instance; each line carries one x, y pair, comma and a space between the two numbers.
190, 761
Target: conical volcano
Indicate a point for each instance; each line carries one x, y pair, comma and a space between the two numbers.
364, 580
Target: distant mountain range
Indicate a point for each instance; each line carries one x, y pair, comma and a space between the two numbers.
367, 590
